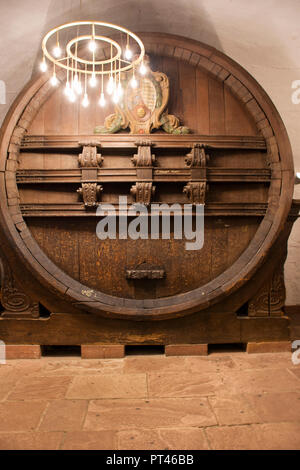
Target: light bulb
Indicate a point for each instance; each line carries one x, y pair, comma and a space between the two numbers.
77, 85
57, 51
143, 69
133, 82
67, 90
72, 96
92, 45
54, 80
85, 101
43, 66
93, 81
110, 85
120, 90
116, 97
128, 53
102, 101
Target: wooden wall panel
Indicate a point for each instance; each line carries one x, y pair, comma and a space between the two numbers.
216, 107
237, 122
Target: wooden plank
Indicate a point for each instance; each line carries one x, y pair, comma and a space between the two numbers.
78, 210
237, 119
216, 107
202, 102
233, 175
187, 84
159, 140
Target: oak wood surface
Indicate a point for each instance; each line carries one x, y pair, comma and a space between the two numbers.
250, 175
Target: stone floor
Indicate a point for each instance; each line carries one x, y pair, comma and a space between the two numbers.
222, 401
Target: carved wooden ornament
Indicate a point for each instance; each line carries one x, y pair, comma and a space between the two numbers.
143, 108
144, 157
90, 193
143, 192
195, 192
89, 157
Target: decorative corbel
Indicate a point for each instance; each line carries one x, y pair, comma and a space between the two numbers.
143, 192
90, 193
143, 157
89, 158
196, 188
195, 192
197, 157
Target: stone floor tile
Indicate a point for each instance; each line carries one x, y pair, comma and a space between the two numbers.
234, 409
34, 388
124, 414
30, 440
20, 416
183, 384
108, 386
278, 436
163, 439
64, 415
5, 388
82, 367
192, 364
255, 381
272, 407
233, 438
295, 372
90, 440
263, 361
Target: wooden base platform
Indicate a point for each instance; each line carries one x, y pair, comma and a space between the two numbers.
117, 351
106, 338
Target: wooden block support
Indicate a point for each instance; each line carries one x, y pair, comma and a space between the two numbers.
97, 351
269, 347
22, 351
186, 350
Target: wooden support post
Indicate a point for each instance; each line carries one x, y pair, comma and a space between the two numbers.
22, 351
102, 351
268, 347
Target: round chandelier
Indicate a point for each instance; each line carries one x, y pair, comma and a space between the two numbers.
95, 56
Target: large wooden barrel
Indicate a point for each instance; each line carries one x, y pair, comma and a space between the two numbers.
78, 286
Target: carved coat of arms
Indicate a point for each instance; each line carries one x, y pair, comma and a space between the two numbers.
143, 108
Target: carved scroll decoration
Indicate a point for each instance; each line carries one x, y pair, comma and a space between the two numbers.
258, 306
13, 299
270, 298
197, 157
143, 192
143, 157
196, 160
89, 157
277, 292
90, 193
195, 192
